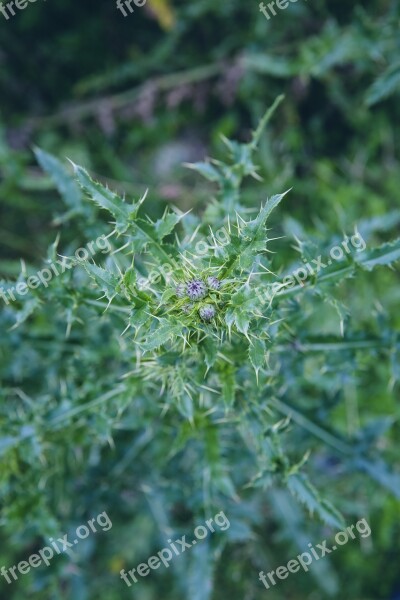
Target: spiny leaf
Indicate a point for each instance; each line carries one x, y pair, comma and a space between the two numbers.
150, 237
210, 351
383, 255
242, 306
255, 227
252, 239
125, 216
257, 354
165, 331
105, 280
28, 308
105, 198
166, 224
300, 486
242, 322
138, 317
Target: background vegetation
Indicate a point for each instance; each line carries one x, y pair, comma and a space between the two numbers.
131, 99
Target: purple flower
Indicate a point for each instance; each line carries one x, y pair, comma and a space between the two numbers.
213, 283
207, 312
180, 290
196, 289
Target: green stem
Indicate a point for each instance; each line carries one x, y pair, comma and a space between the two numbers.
120, 100
111, 307
264, 121
316, 430
84, 407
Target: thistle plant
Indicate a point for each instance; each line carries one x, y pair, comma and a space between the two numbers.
204, 353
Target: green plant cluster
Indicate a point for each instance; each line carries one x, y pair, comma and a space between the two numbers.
240, 413
116, 393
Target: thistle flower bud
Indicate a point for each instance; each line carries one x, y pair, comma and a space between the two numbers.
196, 289
213, 283
207, 312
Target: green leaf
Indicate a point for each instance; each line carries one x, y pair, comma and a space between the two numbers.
381, 473
103, 197
167, 224
302, 489
267, 64
185, 406
243, 303
63, 181
200, 573
256, 226
130, 277
138, 317
386, 254
252, 239
242, 322
210, 349
294, 529
386, 85
228, 386
264, 121
165, 331
105, 280
205, 169
150, 236
257, 354
28, 308
7, 442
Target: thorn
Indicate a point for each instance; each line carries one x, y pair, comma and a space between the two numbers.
75, 167
120, 249
143, 198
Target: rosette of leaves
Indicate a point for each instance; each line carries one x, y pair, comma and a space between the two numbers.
204, 332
